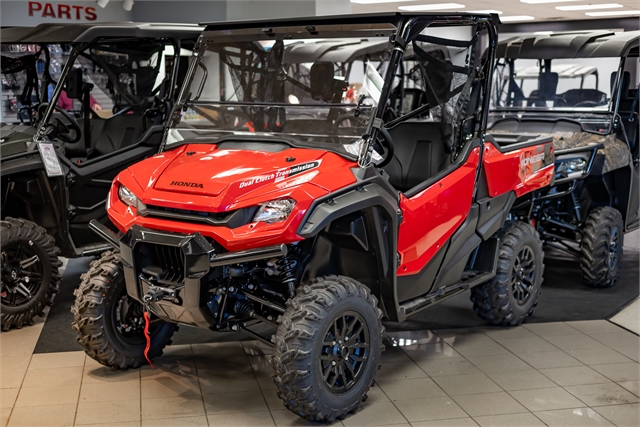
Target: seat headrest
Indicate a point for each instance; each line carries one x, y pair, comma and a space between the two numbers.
548, 84
321, 77
626, 82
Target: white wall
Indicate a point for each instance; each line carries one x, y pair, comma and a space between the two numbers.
269, 9
194, 11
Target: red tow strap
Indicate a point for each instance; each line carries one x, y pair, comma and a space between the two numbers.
147, 318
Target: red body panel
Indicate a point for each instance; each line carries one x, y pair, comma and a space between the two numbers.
521, 170
433, 215
200, 177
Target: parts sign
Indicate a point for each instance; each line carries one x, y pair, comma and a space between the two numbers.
62, 11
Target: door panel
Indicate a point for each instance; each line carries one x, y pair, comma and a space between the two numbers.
432, 216
90, 186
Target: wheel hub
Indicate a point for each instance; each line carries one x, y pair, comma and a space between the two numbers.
129, 317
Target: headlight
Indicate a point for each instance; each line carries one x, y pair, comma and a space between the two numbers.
274, 211
126, 196
571, 168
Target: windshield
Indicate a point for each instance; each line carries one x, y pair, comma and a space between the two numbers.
22, 67
311, 91
576, 84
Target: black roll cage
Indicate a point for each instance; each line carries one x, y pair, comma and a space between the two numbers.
76, 52
408, 29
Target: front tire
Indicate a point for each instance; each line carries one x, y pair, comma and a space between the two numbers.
109, 323
601, 247
30, 276
327, 348
510, 297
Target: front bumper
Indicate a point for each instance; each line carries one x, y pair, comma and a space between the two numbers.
171, 260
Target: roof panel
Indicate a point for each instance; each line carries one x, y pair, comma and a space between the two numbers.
364, 18
569, 45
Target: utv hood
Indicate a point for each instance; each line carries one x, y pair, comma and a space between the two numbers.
14, 139
208, 170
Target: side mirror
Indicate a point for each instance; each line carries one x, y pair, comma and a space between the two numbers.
73, 83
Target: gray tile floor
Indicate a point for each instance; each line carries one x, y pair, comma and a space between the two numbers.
555, 374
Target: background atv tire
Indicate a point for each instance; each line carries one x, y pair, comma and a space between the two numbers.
601, 247
97, 313
501, 301
30, 240
303, 356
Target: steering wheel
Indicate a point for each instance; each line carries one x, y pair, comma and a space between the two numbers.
384, 141
587, 104
60, 127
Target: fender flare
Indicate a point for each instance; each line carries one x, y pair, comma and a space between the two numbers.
332, 207
370, 198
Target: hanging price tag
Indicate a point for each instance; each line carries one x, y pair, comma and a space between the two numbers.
50, 159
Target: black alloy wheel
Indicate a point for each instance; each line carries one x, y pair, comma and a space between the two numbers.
614, 255
29, 272
523, 278
510, 297
110, 324
345, 352
601, 247
22, 274
327, 348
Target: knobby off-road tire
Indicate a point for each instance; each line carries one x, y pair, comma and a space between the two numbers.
601, 247
21, 240
510, 297
304, 348
109, 323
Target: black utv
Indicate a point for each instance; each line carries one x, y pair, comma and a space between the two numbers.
80, 103
594, 122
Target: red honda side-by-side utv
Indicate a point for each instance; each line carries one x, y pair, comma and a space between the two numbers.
321, 175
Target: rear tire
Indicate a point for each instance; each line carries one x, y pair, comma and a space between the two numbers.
26, 243
510, 297
331, 326
601, 247
109, 323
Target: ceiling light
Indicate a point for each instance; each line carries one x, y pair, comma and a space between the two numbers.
543, 33
423, 7
614, 13
498, 12
517, 18
544, 1
378, 1
102, 3
127, 5
590, 6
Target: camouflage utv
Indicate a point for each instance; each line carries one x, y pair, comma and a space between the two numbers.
552, 85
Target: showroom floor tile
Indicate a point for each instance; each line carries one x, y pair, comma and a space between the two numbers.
553, 374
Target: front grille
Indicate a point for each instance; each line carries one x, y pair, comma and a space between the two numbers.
230, 219
216, 216
165, 263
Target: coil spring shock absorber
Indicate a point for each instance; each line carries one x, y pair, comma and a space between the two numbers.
286, 266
